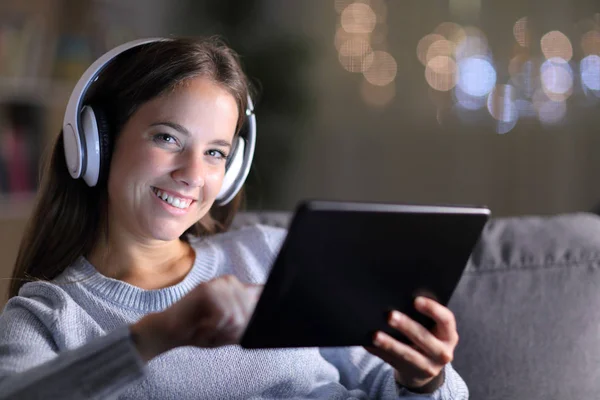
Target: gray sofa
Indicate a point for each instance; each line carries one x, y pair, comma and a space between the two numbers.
527, 308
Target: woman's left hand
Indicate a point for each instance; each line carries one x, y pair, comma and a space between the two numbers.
419, 366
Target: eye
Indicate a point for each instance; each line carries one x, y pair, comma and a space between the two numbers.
216, 154
165, 138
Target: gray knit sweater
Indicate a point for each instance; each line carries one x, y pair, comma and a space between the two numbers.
69, 339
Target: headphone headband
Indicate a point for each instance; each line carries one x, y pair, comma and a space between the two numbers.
78, 151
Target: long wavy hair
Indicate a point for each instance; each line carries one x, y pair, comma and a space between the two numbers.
69, 217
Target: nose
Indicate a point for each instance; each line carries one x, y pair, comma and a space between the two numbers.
190, 172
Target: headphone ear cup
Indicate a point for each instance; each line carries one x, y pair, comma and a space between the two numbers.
231, 180
97, 144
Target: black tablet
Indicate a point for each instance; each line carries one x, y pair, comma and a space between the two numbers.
344, 266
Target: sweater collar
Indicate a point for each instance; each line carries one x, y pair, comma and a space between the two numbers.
133, 297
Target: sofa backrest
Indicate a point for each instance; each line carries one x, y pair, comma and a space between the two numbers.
528, 310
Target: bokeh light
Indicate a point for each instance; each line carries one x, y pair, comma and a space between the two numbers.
539, 98
501, 103
451, 31
521, 32
459, 59
467, 101
557, 79
423, 46
358, 18
552, 112
382, 70
377, 96
590, 43
360, 40
356, 55
590, 72
473, 44
440, 48
341, 37
556, 45
549, 112
503, 127
474, 31
441, 73
476, 76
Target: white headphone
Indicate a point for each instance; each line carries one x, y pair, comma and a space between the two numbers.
85, 133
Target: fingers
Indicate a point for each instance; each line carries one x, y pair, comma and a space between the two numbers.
254, 291
232, 304
418, 364
438, 344
423, 339
397, 354
445, 323
235, 308
215, 313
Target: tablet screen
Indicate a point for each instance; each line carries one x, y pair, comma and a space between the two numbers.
344, 266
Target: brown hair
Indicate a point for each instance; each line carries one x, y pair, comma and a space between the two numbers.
68, 216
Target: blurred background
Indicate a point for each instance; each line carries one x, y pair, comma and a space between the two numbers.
416, 101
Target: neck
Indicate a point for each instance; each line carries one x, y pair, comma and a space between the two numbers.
149, 264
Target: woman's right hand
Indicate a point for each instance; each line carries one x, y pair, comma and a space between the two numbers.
213, 314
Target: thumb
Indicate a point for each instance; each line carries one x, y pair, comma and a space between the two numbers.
254, 291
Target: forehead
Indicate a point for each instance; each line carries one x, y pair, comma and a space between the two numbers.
197, 101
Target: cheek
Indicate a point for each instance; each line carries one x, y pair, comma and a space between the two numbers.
214, 180
125, 158
136, 166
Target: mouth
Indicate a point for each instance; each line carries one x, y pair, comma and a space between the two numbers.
174, 201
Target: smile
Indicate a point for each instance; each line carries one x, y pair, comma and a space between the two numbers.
172, 200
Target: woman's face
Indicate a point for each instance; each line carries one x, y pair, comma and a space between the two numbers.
169, 160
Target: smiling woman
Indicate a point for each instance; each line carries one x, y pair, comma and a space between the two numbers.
133, 92
128, 254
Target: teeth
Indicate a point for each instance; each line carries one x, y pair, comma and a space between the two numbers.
174, 201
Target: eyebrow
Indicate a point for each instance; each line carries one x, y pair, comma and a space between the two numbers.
182, 129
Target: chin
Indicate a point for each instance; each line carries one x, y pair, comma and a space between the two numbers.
167, 233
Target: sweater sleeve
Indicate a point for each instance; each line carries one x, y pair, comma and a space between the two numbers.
361, 370
32, 367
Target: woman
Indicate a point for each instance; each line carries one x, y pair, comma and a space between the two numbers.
139, 290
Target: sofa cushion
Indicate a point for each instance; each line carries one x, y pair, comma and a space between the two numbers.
528, 310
